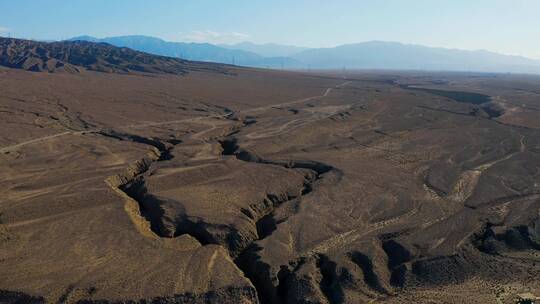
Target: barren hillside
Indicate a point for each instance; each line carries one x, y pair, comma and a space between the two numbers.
257, 186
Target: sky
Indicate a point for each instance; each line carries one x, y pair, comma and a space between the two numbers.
503, 26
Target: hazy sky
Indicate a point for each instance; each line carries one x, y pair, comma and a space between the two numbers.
505, 26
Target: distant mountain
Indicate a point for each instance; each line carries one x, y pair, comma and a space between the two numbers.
189, 51
74, 56
267, 49
393, 55
367, 55
84, 38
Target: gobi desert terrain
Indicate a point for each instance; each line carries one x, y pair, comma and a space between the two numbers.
128, 177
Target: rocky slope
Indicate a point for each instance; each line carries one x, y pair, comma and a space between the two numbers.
74, 56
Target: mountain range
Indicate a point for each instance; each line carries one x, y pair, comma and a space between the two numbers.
398, 56
75, 56
193, 51
366, 55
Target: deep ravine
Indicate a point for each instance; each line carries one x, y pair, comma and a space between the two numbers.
132, 183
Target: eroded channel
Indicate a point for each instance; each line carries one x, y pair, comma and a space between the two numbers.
262, 213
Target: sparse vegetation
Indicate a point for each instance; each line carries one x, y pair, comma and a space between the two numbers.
262, 186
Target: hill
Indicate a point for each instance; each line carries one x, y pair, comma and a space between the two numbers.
74, 56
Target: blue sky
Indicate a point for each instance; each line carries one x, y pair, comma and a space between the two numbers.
505, 26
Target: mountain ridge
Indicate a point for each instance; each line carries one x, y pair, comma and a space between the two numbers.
75, 56
206, 52
395, 55
374, 54
378, 55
